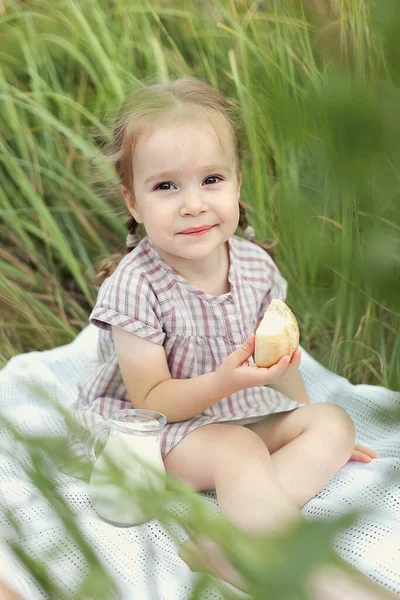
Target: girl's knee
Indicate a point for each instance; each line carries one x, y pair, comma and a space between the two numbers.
336, 424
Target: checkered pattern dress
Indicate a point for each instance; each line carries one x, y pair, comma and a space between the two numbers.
148, 298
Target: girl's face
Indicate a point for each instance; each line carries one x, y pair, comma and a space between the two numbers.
186, 191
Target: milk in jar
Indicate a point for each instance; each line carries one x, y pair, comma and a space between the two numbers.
118, 471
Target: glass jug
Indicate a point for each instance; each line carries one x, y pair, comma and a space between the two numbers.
133, 443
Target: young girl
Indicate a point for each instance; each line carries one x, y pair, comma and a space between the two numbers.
177, 316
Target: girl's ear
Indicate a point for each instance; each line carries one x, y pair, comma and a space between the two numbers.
131, 203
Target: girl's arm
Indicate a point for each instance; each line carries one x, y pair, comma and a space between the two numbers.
149, 383
294, 389
291, 383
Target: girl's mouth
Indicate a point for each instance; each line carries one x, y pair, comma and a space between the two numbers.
197, 230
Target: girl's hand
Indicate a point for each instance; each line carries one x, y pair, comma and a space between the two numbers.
236, 373
292, 368
363, 454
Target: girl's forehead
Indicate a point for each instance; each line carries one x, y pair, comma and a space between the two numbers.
171, 141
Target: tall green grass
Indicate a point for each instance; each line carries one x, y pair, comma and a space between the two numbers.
318, 91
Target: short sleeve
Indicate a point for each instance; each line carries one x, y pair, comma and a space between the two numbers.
276, 285
126, 299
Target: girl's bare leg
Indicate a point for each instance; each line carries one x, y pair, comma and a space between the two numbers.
307, 446
231, 459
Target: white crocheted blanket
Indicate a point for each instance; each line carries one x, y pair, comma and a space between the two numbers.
144, 559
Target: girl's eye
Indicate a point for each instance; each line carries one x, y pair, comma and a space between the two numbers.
164, 186
212, 179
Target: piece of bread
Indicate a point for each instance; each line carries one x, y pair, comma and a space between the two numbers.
277, 334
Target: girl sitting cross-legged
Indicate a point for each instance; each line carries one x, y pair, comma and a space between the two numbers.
177, 317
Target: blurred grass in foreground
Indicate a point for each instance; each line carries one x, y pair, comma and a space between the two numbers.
318, 85
263, 562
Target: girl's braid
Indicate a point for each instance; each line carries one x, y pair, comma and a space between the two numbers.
248, 232
107, 266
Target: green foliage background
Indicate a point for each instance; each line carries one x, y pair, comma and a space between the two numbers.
317, 82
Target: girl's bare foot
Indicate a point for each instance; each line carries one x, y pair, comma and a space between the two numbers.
333, 584
7, 593
202, 554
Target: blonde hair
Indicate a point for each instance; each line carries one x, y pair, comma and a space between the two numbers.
188, 99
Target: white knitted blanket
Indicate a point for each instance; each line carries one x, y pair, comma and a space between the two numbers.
143, 560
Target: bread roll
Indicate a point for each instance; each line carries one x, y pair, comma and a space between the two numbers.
277, 334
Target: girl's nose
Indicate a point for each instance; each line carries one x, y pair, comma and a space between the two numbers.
193, 205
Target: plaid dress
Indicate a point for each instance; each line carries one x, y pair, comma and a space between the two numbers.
147, 297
